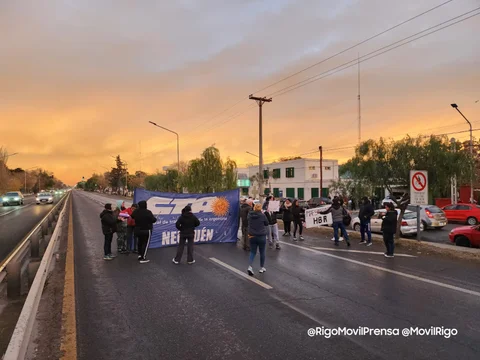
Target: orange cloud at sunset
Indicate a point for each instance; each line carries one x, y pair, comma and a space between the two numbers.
81, 80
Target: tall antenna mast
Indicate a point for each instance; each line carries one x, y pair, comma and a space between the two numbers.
359, 105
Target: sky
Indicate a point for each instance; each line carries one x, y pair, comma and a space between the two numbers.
81, 79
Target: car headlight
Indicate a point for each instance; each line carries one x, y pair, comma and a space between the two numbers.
50, 199
38, 199
5, 199
16, 198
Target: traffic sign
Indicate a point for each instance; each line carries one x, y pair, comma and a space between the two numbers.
418, 187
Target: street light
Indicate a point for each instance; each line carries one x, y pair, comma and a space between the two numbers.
178, 143
455, 106
248, 152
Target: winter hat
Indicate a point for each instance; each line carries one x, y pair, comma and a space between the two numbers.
187, 208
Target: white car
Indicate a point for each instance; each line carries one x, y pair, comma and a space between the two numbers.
44, 198
409, 222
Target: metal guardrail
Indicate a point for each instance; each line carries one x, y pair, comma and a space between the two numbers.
23, 261
19, 342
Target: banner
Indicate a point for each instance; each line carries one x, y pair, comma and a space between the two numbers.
218, 214
313, 218
274, 205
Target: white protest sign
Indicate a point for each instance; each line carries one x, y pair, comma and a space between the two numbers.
274, 206
314, 218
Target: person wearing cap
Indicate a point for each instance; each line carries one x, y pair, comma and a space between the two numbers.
132, 239
186, 224
109, 226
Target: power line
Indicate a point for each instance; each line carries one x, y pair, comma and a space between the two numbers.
367, 57
356, 45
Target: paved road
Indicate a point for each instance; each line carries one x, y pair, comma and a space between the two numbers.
17, 221
126, 310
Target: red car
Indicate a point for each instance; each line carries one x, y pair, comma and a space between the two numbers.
465, 213
466, 236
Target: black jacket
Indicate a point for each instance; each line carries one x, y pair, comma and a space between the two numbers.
109, 222
186, 223
298, 213
244, 210
366, 211
257, 223
389, 223
271, 217
143, 217
287, 213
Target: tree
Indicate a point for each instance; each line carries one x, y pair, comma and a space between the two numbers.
117, 174
387, 163
209, 174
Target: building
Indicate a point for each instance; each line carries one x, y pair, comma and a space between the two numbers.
243, 181
293, 178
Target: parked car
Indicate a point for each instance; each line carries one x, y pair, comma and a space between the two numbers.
318, 201
465, 213
432, 216
409, 222
468, 236
44, 198
303, 204
12, 198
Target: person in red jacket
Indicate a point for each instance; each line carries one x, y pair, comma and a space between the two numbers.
132, 240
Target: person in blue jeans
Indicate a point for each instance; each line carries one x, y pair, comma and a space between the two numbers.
257, 233
365, 216
338, 212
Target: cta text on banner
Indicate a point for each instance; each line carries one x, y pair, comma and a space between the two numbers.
314, 218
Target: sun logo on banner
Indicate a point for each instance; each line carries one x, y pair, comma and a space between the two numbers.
220, 206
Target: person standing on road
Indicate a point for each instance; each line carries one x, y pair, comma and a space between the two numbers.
144, 221
257, 232
365, 216
272, 231
186, 224
132, 239
121, 228
297, 212
338, 212
389, 228
340, 237
287, 217
244, 211
109, 226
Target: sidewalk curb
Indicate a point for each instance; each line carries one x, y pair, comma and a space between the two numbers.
423, 247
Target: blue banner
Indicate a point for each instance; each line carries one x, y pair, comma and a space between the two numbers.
218, 214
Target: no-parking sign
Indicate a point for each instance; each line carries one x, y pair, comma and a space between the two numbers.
418, 187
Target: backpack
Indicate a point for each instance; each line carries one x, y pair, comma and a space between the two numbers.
347, 219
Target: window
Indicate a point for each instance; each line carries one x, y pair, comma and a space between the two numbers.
290, 172
314, 176
266, 191
314, 192
300, 193
291, 192
328, 168
266, 174
311, 168
276, 192
276, 173
450, 207
463, 207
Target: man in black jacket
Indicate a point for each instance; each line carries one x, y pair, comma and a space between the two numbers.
144, 221
389, 228
186, 223
109, 226
244, 210
365, 216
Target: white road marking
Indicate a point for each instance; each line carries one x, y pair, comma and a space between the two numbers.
242, 273
18, 208
360, 251
418, 278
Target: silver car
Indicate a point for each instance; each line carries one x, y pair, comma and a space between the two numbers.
44, 198
12, 198
408, 227
432, 216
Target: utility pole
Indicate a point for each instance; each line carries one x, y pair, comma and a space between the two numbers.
359, 106
453, 188
260, 101
321, 169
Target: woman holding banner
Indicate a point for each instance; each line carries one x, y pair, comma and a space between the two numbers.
287, 217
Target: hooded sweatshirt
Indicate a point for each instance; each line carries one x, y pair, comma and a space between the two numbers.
244, 210
109, 223
337, 211
143, 217
257, 223
366, 211
187, 222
